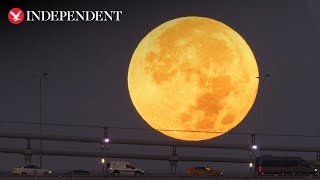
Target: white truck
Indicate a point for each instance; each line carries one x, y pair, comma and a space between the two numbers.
123, 168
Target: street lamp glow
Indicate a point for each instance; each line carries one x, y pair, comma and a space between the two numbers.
102, 161
254, 147
250, 165
106, 140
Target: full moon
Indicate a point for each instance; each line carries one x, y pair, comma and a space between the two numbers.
193, 78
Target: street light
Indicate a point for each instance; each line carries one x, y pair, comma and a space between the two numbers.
251, 165
250, 168
254, 147
263, 79
41, 77
106, 140
260, 125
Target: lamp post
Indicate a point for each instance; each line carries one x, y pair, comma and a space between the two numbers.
260, 110
42, 77
263, 79
254, 147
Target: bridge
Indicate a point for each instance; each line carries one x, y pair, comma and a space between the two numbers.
172, 157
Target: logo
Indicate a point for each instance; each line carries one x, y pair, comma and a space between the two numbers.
15, 16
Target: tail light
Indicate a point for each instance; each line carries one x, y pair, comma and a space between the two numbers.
260, 170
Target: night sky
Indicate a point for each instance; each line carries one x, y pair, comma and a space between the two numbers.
88, 63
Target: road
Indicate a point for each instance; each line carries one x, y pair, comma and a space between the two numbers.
159, 178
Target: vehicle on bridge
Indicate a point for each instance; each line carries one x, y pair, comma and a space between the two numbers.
203, 171
123, 168
31, 170
277, 165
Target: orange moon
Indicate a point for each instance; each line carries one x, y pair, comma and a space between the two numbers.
194, 76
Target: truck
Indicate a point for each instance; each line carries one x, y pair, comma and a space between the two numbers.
282, 165
123, 168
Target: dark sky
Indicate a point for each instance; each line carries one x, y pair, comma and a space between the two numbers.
88, 62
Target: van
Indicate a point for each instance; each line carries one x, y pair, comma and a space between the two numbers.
273, 165
123, 168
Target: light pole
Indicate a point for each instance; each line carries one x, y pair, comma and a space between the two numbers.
254, 147
260, 117
263, 79
42, 77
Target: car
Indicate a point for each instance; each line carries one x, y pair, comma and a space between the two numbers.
77, 173
278, 165
31, 170
123, 168
203, 171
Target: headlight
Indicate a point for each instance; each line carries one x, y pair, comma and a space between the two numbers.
50, 172
315, 169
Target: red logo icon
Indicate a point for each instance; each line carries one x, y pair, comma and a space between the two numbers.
15, 16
